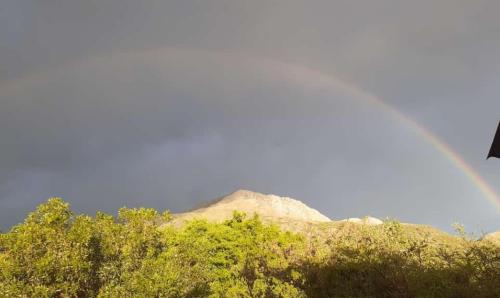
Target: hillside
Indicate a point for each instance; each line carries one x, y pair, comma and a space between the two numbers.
288, 213
144, 253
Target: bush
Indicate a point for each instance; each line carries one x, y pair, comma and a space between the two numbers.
55, 253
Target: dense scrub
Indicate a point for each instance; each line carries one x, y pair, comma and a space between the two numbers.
55, 253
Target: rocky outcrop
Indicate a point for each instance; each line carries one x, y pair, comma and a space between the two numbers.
368, 220
267, 206
494, 237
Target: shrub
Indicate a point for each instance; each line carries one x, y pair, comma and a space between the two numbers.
55, 253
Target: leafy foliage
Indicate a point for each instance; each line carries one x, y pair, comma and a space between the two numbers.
55, 253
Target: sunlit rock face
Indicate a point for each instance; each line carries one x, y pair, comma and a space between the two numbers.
495, 237
368, 220
266, 206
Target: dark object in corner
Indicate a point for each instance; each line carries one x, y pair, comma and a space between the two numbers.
495, 147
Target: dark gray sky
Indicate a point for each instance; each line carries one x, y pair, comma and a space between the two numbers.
166, 104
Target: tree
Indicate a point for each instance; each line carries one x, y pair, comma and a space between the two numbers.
51, 253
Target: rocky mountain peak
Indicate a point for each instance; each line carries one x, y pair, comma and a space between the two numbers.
266, 205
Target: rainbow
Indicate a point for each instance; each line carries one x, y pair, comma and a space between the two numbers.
319, 79
294, 74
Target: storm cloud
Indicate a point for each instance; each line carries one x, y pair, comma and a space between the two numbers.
170, 103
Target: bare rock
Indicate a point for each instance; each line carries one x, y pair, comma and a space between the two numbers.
266, 206
368, 220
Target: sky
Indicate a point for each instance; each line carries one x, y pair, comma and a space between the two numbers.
167, 104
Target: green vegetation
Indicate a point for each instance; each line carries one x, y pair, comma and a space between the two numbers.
55, 253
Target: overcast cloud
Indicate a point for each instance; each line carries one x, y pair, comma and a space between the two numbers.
92, 110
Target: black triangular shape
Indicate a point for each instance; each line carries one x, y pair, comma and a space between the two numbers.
495, 147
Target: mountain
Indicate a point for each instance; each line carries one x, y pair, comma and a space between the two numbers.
293, 215
290, 214
269, 207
